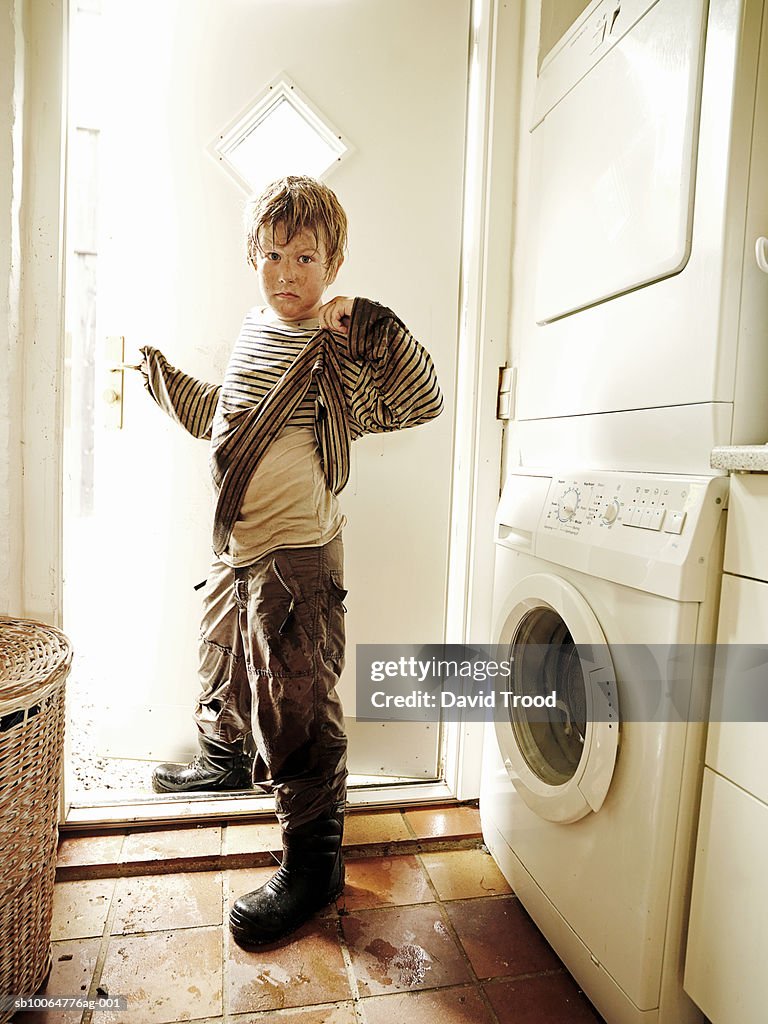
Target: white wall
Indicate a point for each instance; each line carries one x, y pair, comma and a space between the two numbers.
11, 113
32, 41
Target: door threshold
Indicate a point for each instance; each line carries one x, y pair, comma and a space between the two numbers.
181, 808
226, 846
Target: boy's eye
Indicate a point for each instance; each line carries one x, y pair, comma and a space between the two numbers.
305, 259
273, 256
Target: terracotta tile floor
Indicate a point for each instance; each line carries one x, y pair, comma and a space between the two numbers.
422, 933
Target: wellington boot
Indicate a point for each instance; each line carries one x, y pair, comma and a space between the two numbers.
218, 766
310, 876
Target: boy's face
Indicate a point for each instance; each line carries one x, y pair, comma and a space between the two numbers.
292, 275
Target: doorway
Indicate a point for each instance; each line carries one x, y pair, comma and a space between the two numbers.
155, 257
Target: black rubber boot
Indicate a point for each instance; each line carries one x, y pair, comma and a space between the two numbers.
310, 876
218, 766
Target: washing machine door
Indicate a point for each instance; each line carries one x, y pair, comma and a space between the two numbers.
560, 759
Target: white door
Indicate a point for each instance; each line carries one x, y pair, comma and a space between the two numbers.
390, 76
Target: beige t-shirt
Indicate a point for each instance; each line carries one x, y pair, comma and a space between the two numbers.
288, 503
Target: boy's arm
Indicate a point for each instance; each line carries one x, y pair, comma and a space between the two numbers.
398, 385
189, 402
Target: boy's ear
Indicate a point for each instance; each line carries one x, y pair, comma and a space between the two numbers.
333, 274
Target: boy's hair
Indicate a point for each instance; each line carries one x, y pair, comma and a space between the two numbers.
293, 204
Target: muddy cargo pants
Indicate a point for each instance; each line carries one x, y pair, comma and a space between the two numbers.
271, 653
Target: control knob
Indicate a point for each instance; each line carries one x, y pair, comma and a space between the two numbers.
610, 512
568, 504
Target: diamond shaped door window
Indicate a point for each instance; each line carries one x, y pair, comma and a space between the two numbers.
280, 133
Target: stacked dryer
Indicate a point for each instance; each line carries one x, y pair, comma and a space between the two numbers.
644, 346
645, 340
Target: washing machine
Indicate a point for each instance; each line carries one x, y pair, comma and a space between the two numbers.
605, 597
642, 331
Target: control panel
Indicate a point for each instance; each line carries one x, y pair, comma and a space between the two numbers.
588, 503
658, 533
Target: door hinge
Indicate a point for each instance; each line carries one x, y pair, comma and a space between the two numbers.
505, 397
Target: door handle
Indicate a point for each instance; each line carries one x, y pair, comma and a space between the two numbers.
113, 382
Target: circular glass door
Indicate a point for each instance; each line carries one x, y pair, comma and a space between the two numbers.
545, 661
557, 727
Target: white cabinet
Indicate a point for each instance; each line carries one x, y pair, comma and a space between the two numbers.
746, 543
728, 933
725, 966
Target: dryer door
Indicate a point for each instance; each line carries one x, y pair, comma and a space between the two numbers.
561, 758
614, 156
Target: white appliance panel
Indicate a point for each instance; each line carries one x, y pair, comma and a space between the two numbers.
614, 163
677, 439
609, 874
664, 343
626, 849
610, 889
610, 1000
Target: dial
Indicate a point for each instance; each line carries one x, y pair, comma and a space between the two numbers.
568, 504
610, 511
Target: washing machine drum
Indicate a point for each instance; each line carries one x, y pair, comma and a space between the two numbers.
558, 726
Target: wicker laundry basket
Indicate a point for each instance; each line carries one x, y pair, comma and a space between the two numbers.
34, 664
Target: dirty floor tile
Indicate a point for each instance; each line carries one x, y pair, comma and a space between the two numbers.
306, 969
164, 844
369, 827
445, 822
384, 881
89, 850
500, 939
548, 999
151, 903
448, 1006
336, 1013
412, 925
257, 838
166, 977
80, 908
400, 949
74, 961
461, 874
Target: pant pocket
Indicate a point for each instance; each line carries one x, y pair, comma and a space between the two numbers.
286, 606
335, 632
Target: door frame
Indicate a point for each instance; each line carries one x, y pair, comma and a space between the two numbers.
488, 220
44, 28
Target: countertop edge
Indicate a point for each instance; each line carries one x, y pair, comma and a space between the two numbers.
747, 458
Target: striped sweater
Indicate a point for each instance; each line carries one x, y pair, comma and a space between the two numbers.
378, 378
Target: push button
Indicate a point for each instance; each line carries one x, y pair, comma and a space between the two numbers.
637, 516
658, 518
675, 522
628, 516
647, 520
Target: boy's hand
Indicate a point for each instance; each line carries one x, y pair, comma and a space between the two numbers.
335, 315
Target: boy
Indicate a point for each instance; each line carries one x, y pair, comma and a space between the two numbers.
305, 378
